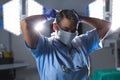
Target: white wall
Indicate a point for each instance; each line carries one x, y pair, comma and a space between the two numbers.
4, 38
21, 53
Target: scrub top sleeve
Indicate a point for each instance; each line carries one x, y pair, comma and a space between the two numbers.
39, 49
91, 40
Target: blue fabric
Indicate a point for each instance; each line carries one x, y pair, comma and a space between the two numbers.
1, 17
1, 8
56, 61
1, 25
50, 13
86, 10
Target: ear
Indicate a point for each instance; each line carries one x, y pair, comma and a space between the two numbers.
54, 27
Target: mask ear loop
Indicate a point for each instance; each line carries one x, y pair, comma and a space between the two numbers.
77, 26
77, 29
78, 20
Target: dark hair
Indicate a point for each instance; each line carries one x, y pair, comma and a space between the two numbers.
66, 13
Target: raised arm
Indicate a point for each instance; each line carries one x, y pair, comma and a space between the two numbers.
102, 26
27, 26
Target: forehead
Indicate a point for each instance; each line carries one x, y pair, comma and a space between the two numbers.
67, 23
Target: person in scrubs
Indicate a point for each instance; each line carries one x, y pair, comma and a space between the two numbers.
64, 56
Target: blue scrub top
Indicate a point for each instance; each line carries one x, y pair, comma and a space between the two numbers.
56, 61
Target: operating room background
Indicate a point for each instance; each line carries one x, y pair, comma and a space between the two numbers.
15, 44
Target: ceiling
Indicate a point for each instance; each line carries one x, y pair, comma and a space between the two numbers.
65, 4
78, 5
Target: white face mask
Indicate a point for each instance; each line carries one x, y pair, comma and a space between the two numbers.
66, 37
